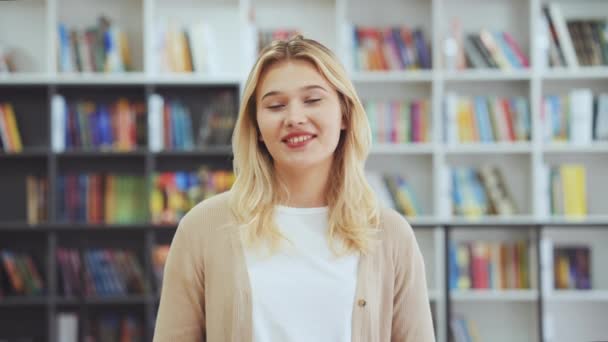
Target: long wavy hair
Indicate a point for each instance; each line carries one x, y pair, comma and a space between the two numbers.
353, 207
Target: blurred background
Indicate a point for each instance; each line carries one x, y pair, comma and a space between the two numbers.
490, 128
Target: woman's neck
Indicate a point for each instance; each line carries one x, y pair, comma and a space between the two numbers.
307, 188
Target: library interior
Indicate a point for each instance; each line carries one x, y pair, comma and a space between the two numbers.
488, 135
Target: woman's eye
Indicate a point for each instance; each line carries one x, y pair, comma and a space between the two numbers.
276, 106
312, 100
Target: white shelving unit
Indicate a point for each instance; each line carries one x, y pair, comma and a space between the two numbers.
494, 296
234, 23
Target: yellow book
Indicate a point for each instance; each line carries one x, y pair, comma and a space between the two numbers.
463, 125
573, 187
186, 61
9, 115
32, 193
125, 53
581, 191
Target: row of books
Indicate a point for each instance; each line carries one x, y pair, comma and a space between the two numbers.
574, 42
494, 49
19, 275
576, 117
486, 119
479, 192
86, 125
572, 267
394, 191
101, 198
390, 48
399, 122
568, 190
102, 47
191, 48
171, 122
489, 265
174, 193
107, 272
485, 48
464, 329
106, 327
159, 258
10, 138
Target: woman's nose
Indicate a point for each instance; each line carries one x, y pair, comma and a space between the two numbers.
295, 116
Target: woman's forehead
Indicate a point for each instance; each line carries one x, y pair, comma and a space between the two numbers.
293, 75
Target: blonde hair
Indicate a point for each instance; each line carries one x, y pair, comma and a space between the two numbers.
353, 208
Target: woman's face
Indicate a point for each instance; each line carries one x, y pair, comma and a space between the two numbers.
299, 116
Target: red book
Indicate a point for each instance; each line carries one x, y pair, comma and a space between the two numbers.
509, 118
516, 50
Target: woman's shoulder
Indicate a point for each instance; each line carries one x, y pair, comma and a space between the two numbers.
395, 228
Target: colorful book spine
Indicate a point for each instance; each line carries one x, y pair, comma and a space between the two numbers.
489, 265
399, 122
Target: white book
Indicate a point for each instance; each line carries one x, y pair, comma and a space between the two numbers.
563, 35
601, 121
543, 188
379, 186
451, 120
156, 130
502, 128
445, 204
58, 117
67, 327
546, 266
204, 48
547, 120
581, 116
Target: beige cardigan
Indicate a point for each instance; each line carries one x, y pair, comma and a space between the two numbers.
206, 293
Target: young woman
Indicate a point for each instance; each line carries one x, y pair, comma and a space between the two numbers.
298, 250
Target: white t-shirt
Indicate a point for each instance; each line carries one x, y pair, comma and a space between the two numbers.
304, 292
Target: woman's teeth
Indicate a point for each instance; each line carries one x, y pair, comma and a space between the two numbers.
299, 139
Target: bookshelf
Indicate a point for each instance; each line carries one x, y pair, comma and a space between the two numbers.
537, 312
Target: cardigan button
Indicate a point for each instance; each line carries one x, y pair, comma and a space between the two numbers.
362, 302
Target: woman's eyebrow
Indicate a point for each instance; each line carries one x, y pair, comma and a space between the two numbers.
308, 87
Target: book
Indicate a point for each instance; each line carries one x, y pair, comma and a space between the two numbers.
100, 47
399, 122
98, 198
10, 137
486, 119
483, 265
19, 274
394, 191
481, 191
572, 267
173, 194
390, 48
568, 190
